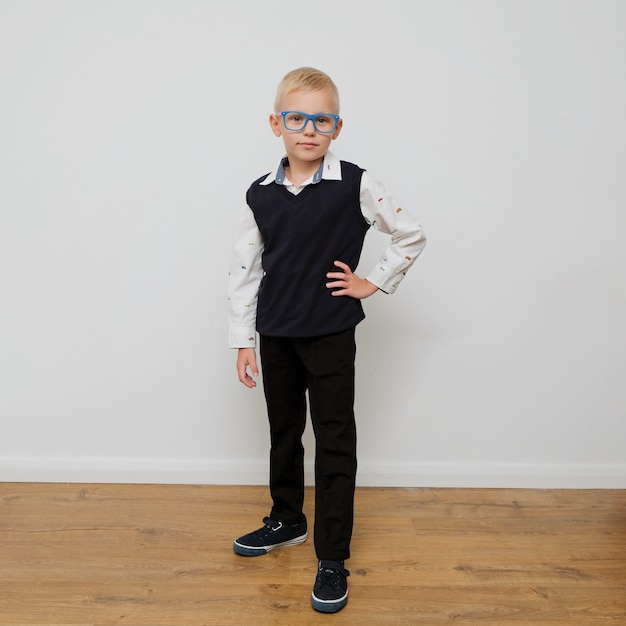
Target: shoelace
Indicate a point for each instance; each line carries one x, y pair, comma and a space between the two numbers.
331, 577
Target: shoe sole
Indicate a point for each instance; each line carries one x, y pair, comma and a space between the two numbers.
258, 551
328, 606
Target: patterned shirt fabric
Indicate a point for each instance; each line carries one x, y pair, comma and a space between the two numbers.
380, 210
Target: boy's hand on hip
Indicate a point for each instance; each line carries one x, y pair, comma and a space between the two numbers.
246, 357
347, 283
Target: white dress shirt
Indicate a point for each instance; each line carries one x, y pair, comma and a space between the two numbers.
380, 210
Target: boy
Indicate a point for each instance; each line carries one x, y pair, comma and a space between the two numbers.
299, 241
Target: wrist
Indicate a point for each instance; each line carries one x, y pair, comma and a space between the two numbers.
370, 287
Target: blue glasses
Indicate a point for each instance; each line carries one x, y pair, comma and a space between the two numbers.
295, 121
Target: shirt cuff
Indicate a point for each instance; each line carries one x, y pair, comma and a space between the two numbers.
385, 278
241, 337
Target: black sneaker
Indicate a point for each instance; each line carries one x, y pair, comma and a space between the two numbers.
273, 535
330, 592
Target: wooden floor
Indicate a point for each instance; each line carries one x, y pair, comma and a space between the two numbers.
162, 555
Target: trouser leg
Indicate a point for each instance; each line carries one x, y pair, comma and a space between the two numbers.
329, 362
284, 383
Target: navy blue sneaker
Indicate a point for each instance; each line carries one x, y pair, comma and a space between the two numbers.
273, 535
330, 593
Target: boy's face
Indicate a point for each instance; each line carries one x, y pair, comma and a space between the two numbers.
308, 144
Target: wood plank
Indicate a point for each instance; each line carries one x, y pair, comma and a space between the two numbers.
161, 555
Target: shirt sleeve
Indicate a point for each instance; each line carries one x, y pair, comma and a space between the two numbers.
244, 278
382, 211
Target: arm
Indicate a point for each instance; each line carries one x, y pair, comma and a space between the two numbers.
382, 211
243, 287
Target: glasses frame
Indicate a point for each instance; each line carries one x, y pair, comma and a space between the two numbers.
311, 118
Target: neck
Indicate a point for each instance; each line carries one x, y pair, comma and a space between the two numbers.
298, 171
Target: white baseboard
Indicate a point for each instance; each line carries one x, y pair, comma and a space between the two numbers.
495, 475
237, 472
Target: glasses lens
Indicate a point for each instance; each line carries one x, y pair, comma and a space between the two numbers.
324, 123
294, 120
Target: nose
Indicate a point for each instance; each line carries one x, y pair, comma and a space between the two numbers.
309, 130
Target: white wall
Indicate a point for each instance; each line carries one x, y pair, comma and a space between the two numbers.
129, 131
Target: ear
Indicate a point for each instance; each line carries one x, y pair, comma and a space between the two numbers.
275, 124
338, 129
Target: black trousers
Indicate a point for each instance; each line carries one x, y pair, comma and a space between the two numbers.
325, 367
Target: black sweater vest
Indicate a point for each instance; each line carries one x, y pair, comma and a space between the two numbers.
303, 235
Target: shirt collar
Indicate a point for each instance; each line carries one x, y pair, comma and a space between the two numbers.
329, 169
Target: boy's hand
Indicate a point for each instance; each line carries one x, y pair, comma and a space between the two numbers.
247, 357
349, 284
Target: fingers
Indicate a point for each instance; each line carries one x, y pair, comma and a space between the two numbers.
347, 283
342, 279
346, 268
243, 376
355, 287
341, 276
247, 359
337, 283
247, 380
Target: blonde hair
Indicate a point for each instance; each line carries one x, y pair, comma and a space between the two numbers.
307, 79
